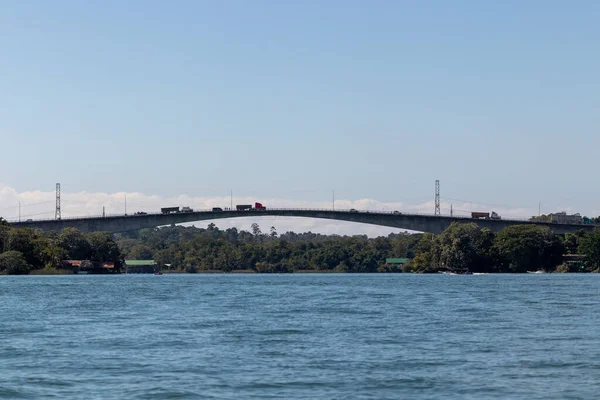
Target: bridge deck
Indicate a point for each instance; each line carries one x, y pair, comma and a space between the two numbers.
410, 221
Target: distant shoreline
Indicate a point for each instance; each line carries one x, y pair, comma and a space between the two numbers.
50, 272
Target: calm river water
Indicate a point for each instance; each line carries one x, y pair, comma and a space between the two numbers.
300, 336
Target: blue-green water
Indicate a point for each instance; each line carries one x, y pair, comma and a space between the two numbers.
300, 336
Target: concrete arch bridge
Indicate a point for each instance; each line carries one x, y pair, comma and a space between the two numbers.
415, 222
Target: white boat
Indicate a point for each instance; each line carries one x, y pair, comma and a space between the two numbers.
541, 271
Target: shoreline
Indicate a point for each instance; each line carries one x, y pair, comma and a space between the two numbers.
50, 272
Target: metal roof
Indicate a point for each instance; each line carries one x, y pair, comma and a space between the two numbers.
139, 262
396, 260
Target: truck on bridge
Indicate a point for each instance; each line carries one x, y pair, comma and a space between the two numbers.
174, 210
485, 215
243, 207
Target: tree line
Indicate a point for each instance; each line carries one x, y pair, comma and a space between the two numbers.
460, 248
518, 248
23, 250
192, 249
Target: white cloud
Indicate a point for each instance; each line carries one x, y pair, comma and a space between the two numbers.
41, 205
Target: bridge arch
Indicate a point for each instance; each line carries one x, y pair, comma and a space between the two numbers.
413, 222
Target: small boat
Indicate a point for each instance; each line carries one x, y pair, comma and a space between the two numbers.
158, 273
541, 271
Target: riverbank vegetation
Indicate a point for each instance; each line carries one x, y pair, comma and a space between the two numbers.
461, 248
195, 250
25, 250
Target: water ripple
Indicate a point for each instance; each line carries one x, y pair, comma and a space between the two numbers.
299, 336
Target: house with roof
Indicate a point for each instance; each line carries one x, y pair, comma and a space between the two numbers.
90, 267
141, 267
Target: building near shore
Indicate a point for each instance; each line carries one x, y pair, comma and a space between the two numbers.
397, 262
90, 267
394, 264
576, 262
140, 267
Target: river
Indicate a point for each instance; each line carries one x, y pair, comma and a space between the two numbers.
300, 336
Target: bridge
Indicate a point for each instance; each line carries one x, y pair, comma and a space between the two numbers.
415, 222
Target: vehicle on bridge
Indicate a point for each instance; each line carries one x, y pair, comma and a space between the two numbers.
140, 213
244, 207
485, 215
175, 210
216, 209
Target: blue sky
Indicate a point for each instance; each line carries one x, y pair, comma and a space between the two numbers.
500, 101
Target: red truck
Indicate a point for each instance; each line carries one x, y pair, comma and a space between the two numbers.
244, 207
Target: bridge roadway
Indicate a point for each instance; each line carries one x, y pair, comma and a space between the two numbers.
414, 222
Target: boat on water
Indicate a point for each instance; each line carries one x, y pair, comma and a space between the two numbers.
456, 272
158, 273
541, 271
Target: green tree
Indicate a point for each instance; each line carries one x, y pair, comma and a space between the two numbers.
75, 244
423, 254
162, 257
103, 247
571, 242
4, 234
53, 255
590, 247
140, 252
464, 247
399, 247
24, 241
524, 248
14, 263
